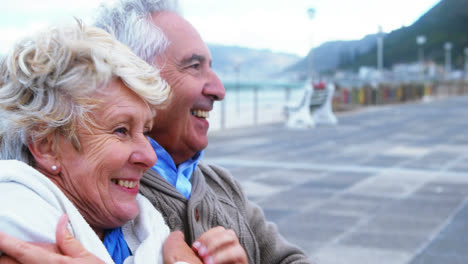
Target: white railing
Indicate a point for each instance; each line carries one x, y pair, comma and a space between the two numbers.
251, 104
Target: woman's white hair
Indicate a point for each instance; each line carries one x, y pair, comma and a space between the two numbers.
47, 83
130, 21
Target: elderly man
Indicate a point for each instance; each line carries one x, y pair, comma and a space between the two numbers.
204, 201
192, 196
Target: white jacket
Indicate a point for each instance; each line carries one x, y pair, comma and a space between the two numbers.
32, 205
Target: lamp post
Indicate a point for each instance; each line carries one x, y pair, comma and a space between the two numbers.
421, 40
380, 50
448, 57
310, 70
466, 63
237, 69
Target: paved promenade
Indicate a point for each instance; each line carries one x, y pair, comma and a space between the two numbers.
386, 185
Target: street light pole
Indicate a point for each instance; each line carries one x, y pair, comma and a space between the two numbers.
310, 73
448, 57
421, 40
466, 63
380, 51
237, 69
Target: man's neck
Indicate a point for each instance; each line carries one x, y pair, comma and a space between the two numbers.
177, 155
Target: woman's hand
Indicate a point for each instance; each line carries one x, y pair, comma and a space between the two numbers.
220, 246
68, 249
176, 249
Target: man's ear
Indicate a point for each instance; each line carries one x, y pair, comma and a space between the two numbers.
44, 152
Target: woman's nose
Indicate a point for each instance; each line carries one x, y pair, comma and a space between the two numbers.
143, 153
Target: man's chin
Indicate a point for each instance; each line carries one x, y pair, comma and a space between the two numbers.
200, 143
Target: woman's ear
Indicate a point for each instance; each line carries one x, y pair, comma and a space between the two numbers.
44, 152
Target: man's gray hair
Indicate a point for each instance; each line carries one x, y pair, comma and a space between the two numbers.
130, 21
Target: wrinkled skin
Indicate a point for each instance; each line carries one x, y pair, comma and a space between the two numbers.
186, 66
114, 148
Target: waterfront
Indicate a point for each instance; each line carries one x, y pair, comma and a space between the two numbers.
241, 104
387, 185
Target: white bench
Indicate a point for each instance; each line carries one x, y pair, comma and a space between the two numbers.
314, 108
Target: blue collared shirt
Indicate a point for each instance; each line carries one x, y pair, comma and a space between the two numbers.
179, 176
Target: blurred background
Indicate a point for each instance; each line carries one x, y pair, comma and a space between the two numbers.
375, 52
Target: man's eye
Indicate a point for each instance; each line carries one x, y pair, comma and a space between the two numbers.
195, 65
121, 130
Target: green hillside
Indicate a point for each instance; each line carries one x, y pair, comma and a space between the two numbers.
447, 21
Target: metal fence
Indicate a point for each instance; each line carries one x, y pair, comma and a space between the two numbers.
251, 104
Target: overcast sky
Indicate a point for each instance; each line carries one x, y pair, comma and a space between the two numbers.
277, 25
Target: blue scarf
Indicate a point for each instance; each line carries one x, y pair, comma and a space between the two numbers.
178, 176
116, 246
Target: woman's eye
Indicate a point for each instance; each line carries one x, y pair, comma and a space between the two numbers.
121, 130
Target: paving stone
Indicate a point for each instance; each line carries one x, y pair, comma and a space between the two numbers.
461, 166
349, 159
442, 191
384, 186
439, 259
434, 160
322, 220
357, 205
352, 208
392, 186
306, 232
449, 247
359, 255
288, 177
325, 184
366, 198
243, 173
382, 160
258, 191
275, 215
389, 240
294, 197
400, 225
347, 176
422, 209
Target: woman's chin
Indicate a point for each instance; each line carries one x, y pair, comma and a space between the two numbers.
124, 212
129, 212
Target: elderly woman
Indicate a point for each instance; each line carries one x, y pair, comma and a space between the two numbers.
75, 108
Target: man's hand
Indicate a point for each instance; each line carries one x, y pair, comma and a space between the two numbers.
220, 246
68, 249
176, 249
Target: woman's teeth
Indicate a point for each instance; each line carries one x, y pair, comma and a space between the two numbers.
126, 184
200, 113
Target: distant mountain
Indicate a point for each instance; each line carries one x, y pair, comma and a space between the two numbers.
250, 64
331, 54
445, 22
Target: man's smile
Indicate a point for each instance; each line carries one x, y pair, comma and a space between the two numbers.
200, 113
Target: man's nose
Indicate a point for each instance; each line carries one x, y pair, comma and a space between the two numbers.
214, 88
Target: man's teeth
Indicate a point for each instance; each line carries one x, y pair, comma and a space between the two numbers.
126, 184
200, 113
